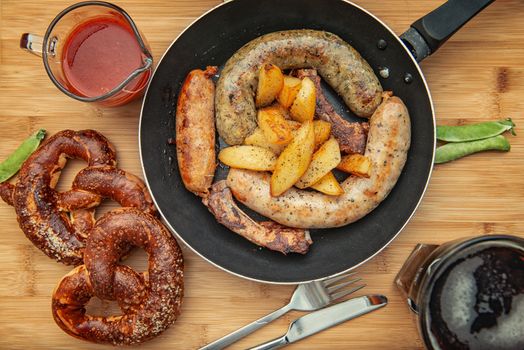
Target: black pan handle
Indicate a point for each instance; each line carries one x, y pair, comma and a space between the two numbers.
427, 34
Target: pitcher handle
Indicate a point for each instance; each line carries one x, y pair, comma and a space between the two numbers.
32, 43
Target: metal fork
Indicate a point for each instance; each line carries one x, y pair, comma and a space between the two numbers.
307, 297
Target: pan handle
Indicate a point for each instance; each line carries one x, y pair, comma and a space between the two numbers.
428, 33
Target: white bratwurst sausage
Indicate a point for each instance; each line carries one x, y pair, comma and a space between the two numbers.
387, 147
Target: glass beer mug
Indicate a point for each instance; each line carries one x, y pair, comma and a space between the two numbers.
93, 52
467, 294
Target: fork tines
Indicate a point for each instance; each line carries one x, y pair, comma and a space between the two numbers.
332, 286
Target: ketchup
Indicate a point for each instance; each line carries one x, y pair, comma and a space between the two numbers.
99, 54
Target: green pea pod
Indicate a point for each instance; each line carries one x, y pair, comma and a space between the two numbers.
12, 164
455, 150
472, 132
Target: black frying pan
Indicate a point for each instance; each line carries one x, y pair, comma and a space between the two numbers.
211, 40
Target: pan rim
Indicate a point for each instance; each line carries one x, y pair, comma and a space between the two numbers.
167, 223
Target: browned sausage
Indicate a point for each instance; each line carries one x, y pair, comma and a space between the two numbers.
267, 234
195, 131
351, 136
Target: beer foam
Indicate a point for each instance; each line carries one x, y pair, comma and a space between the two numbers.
476, 288
461, 287
509, 331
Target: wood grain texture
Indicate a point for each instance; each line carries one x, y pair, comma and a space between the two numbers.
478, 75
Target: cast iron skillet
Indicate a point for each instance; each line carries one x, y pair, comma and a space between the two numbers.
211, 40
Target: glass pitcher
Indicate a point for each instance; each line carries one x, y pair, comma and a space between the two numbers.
93, 52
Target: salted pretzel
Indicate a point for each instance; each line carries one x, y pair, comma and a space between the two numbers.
43, 213
108, 182
150, 301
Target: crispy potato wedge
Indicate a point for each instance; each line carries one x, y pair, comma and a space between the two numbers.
294, 160
248, 157
303, 108
284, 111
356, 164
324, 160
274, 125
258, 138
328, 185
270, 81
289, 91
294, 125
322, 132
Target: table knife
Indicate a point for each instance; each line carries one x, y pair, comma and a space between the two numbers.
325, 318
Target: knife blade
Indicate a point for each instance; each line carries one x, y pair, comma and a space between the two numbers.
320, 320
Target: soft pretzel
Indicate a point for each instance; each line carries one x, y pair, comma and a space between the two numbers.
106, 182
103, 181
150, 301
35, 199
43, 212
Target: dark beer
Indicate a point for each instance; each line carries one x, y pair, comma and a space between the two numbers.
476, 299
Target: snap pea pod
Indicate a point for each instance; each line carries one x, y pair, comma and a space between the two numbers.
471, 132
12, 164
455, 150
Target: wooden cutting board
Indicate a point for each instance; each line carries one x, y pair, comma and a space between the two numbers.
478, 75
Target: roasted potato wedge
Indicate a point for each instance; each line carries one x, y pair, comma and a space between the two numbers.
322, 132
289, 91
270, 81
274, 125
248, 157
303, 108
284, 111
258, 138
356, 164
294, 125
324, 160
294, 160
328, 185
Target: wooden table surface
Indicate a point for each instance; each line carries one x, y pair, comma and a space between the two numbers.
478, 75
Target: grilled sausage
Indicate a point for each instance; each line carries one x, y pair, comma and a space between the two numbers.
267, 234
351, 136
387, 147
336, 61
195, 131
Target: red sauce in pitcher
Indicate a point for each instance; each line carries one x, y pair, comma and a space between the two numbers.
99, 54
